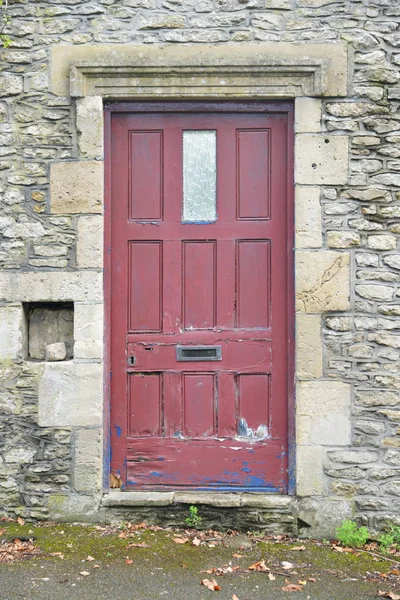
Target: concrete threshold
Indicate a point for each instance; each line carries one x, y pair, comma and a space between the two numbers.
282, 504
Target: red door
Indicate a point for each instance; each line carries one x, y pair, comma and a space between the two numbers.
199, 298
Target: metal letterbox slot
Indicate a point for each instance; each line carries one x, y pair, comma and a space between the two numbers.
192, 353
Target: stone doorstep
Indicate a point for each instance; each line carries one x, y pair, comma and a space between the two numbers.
285, 504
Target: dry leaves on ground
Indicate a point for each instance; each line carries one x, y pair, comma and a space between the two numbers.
224, 570
196, 541
390, 595
138, 545
84, 573
16, 550
211, 585
180, 540
234, 597
341, 549
292, 587
259, 566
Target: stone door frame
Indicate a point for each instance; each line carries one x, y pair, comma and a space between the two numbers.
91, 74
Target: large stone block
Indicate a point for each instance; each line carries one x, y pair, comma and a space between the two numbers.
73, 507
323, 516
308, 217
88, 331
308, 346
89, 248
88, 460
323, 413
52, 286
89, 124
307, 115
321, 159
76, 187
71, 395
309, 470
322, 281
11, 339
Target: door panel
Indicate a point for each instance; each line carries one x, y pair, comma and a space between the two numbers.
199, 309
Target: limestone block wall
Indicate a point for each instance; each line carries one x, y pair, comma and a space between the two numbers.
347, 241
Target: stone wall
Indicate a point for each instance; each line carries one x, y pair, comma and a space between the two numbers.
351, 404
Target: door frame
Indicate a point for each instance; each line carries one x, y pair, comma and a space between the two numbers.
235, 106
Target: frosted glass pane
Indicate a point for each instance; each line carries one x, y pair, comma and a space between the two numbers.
199, 176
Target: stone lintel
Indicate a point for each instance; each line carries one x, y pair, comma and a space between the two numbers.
251, 71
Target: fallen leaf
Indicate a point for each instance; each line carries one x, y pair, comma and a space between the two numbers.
271, 577
259, 566
196, 541
20, 521
291, 587
140, 545
128, 560
224, 570
90, 558
312, 579
302, 582
390, 595
115, 481
211, 585
298, 548
84, 573
180, 540
236, 555
341, 549
60, 554
234, 597
96, 566
287, 565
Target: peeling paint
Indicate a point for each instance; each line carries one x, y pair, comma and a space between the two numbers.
244, 431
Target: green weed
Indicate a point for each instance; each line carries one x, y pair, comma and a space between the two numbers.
194, 519
391, 538
350, 535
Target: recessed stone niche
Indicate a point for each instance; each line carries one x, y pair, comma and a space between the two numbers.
50, 330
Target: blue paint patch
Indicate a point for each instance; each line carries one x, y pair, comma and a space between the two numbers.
230, 474
118, 430
254, 481
156, 474
246, 470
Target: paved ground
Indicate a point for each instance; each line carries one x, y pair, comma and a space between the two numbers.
146, 564
61, 581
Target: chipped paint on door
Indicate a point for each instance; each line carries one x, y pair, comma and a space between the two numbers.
199, 308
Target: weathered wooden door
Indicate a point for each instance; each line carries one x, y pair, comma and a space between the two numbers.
200, 249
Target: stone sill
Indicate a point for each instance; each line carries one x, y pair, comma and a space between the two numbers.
116, 498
